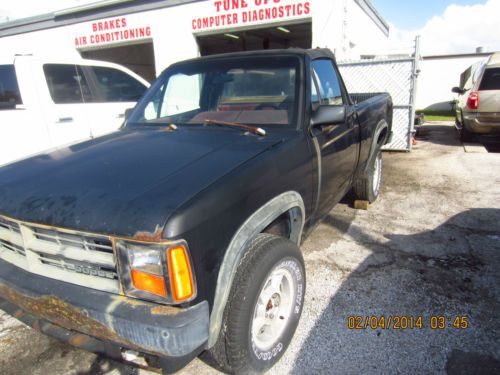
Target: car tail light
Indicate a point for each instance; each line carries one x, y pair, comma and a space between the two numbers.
473, 100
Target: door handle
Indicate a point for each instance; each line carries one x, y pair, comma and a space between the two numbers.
64, 120
121, 115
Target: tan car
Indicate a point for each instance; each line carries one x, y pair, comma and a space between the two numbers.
478, 102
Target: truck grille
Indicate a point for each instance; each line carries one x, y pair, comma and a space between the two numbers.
70, 256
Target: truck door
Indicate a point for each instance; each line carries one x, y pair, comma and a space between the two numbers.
65, 108
338, 143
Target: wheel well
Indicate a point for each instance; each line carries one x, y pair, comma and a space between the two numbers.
382, 136
280, 226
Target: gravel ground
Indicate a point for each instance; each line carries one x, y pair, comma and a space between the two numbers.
430, 246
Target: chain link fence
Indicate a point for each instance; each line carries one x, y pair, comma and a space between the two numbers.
398, 77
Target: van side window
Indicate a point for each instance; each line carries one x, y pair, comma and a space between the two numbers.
491, 79
117, 86
328, 83
9, 89
67, 83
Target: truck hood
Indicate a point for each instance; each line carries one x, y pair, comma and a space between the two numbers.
126, 183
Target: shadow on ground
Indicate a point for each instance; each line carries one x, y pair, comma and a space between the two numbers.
439, 134
449, 271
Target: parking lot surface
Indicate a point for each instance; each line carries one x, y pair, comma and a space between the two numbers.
428, 248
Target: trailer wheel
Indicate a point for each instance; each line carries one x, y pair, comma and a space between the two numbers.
367, 187
264, 307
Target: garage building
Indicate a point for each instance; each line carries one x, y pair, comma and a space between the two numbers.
147, 36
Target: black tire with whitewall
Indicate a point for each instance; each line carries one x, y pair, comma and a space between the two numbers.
264, 306
367, 186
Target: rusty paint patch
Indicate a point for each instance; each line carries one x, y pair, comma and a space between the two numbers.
132, 302
79, 340
64, 315
145, 236
165, 310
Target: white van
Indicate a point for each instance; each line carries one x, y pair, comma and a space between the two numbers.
48, 103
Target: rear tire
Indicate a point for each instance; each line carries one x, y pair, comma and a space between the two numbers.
264, 306
367, 186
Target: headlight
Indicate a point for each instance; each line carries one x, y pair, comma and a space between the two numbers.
158, 272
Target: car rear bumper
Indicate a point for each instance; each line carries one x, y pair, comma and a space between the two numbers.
482, 123
102, 322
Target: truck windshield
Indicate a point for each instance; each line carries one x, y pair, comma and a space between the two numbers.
250, 90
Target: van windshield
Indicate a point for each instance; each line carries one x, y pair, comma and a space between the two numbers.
250, 90
491, 79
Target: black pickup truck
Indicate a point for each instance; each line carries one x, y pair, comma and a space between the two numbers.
179, 234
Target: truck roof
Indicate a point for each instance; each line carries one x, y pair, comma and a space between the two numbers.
313, 53
494, 60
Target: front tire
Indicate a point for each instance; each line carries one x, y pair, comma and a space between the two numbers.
264, 307
367, 186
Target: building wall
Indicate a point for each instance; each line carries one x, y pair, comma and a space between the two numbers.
174, 29
362, 33
437, 76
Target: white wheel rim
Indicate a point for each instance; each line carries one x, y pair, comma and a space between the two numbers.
273, 309
377, 174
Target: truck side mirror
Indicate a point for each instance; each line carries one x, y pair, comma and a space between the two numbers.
128, 111
457, 90
328, 115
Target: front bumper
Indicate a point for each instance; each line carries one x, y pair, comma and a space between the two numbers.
102, 322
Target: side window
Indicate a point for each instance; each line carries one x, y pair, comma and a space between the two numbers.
315, 99
117, 86
67, 83
490, 80
328, 84
9, 89
181, 94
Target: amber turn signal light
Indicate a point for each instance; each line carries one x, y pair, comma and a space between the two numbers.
181, 278
149, 282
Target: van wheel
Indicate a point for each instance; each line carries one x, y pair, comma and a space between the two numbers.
264, 306
367, 187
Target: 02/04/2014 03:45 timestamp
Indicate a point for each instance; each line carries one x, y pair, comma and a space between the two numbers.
403, 322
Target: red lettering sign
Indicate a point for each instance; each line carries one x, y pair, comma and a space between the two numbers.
113, 30
232, 12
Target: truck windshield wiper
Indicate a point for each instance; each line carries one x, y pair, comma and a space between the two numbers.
253, 129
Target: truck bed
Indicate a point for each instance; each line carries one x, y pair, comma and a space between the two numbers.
357, 98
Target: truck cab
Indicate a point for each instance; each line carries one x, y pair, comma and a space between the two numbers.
180, 233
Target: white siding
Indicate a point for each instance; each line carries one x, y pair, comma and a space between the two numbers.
174, 38
437, 77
